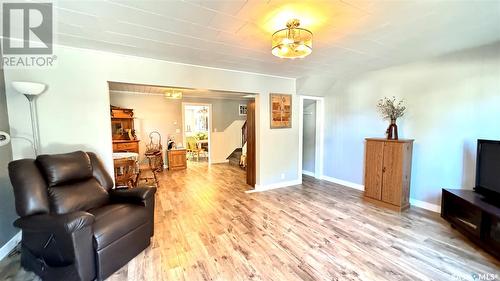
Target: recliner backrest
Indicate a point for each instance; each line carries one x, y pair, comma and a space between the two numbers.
60, 169
60, 183
71, 184
30, 189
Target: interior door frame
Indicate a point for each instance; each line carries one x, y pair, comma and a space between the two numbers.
184, 104
251, 170
319, 147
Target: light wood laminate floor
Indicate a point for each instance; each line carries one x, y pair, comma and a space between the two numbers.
208, 228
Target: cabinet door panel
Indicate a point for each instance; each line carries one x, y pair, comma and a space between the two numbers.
373, 169
177, 160
392, 178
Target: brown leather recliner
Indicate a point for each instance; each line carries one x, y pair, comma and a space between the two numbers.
74, 225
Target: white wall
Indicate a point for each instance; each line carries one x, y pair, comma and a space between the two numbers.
223, 143
74, 112
309, 138
452, 101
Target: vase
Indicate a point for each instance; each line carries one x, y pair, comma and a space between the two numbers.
392, 131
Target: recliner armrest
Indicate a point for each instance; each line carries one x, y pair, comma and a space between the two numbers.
137, 194
143, 196
67, 223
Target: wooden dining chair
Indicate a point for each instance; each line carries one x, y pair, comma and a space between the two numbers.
192, 148
125, 172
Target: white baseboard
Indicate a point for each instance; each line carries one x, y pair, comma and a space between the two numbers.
417, 203
259, 188
344, 183
308, 173
11, 244
220, 161
424, 205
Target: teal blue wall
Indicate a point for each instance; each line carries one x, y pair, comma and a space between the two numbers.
7, 211
451, 100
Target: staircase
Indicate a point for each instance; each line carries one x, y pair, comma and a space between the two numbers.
234, 157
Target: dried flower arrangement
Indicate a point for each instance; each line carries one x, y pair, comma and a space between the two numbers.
390, 109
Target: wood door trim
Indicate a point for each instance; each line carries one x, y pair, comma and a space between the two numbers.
251, 151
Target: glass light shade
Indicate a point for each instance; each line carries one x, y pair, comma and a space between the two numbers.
4, 138
28, 88
173, 95
292, 42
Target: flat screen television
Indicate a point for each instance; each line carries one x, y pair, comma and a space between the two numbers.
488, 169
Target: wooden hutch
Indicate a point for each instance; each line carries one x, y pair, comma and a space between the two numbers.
122, 128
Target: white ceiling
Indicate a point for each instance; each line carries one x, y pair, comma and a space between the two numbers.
349, 35
127, 88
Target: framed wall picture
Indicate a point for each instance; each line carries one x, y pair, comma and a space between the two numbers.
242, 109
281, 111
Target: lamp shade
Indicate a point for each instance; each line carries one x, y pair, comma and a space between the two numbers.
173, 94
29, 88
292, 42
4, 138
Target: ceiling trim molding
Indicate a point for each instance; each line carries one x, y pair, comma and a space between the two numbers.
177, 87
179, 63
184, 96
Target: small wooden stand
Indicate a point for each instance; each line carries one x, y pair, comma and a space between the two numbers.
177, 159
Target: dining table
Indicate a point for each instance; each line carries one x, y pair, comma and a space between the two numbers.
128, 155
202, 144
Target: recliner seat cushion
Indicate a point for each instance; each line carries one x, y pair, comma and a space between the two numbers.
80, 196
115, 221
64, 168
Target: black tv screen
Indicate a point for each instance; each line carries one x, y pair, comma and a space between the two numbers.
488, 167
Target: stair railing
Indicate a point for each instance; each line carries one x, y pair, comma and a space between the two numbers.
244, 134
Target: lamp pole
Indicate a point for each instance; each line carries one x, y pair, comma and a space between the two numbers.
34, 122
31, 90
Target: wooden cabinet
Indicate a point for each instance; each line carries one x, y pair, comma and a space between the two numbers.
122, 128
388, 172
126, 146
177, 159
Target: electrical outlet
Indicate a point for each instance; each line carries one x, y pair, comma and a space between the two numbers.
282, 176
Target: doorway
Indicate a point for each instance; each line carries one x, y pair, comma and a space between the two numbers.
222, 122
196, 126
311, 136
251, 145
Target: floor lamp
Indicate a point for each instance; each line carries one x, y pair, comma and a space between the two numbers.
31, 91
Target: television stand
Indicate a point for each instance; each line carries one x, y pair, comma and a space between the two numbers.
470, 214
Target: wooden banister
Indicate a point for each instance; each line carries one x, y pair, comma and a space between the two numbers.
244, 133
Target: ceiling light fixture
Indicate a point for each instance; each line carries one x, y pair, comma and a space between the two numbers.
292, 42
173, 94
